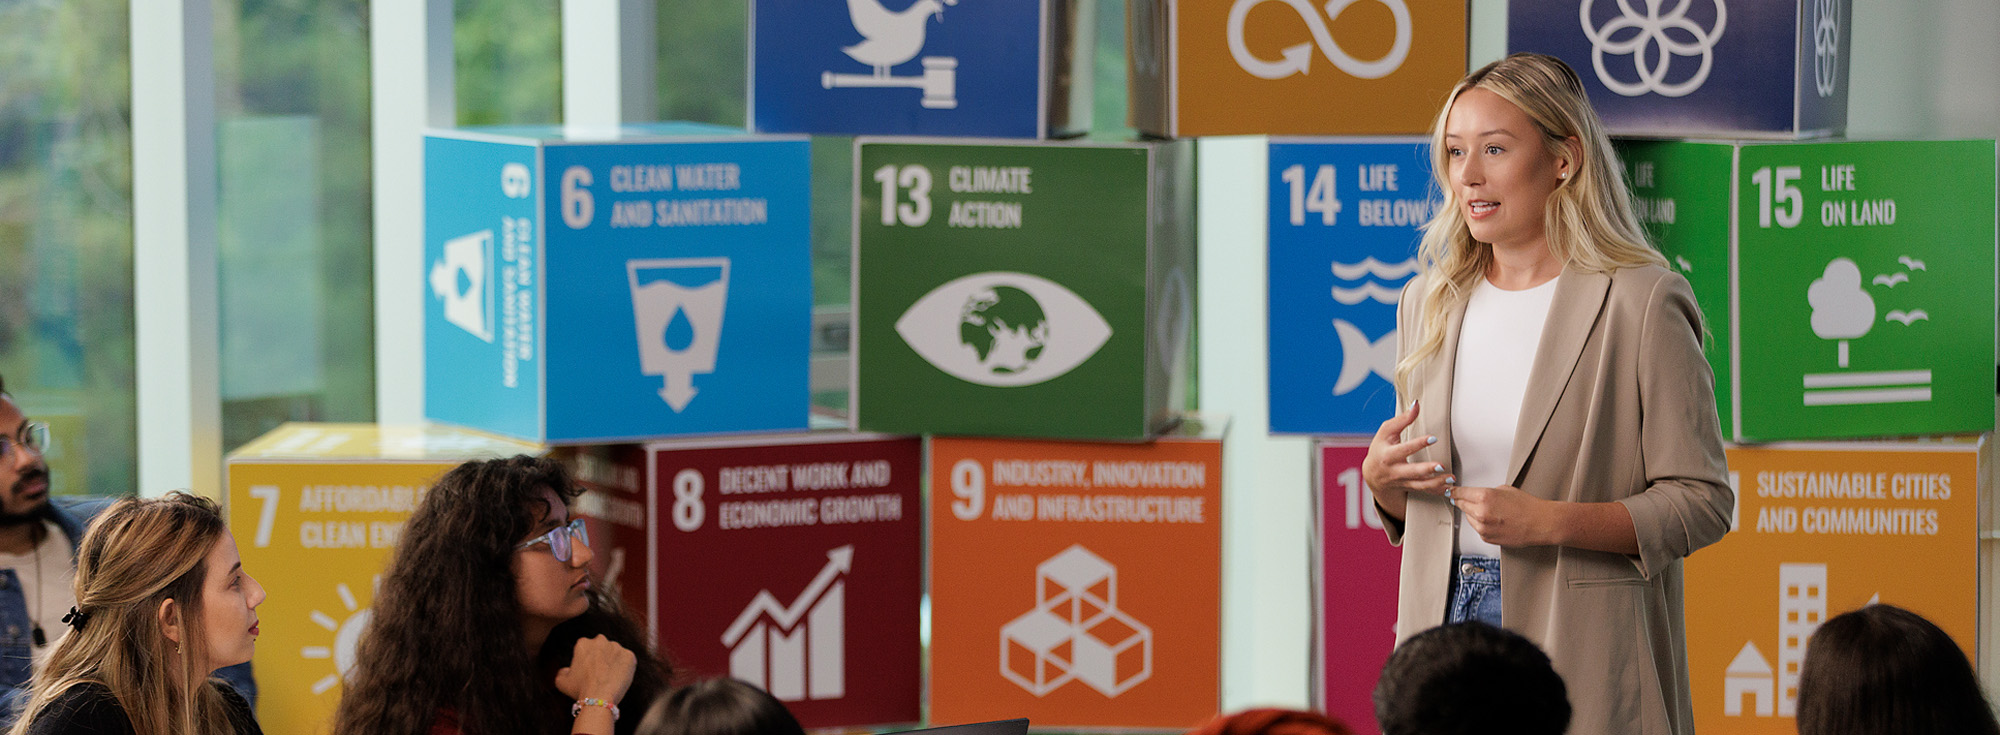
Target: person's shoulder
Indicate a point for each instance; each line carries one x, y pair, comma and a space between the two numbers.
1647, 283
87, 707
240, 713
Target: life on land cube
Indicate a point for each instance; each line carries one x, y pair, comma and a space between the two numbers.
1774, 69
1345, 218
1022, 290
1681, 201
1852, 295
929, 67
318, 510
654, 284
1291, 67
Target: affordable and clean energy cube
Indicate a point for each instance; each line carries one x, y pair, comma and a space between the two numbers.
658, 284
1022, 290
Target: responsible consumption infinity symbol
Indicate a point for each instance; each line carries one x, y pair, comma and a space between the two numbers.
1296, 59
1655, 32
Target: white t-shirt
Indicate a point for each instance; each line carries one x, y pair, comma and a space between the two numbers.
47, 576
1496, 348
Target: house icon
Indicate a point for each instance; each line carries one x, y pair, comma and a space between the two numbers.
1749, 674
796, 651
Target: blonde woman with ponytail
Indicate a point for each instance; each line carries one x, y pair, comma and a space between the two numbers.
162, 602
1559, 451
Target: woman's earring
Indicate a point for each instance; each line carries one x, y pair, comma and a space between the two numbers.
1562, 175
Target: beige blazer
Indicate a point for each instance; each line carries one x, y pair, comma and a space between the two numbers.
1620, 408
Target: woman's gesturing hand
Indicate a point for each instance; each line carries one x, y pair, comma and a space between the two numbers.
1389, 471
599, 669
1506, 516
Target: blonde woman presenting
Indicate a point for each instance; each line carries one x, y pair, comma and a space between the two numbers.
1560, 452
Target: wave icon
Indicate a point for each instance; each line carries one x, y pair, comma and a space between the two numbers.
1361, 356
1352, 296
1371, 267
1906, 317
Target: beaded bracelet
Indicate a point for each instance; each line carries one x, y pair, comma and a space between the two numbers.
577, 709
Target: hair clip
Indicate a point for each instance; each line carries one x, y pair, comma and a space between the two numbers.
76, 618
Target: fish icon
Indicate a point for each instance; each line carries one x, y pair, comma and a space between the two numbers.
1361, 356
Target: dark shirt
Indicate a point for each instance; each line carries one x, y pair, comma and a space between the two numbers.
90, 709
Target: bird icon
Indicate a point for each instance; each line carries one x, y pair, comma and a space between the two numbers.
890, 37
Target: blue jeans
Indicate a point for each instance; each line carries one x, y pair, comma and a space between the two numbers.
1475, 590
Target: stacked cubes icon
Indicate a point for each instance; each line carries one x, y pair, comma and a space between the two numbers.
1076, 631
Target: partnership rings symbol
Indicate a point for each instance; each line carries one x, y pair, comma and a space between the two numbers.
1826, 45
1654, 29
1296, 59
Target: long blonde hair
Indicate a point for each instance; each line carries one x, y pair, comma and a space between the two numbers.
1588, 221
137, 554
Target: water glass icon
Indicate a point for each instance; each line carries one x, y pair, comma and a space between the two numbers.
677, 304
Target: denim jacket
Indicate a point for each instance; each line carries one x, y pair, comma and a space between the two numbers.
16, 627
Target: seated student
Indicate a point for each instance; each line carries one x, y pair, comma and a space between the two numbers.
719, 706
1273, 722
1883, 670
162, 601
1467, 678
487, 623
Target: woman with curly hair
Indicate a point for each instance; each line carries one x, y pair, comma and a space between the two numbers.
486, 622
162, 601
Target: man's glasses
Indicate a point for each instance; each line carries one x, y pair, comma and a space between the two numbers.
34, 436
558, 539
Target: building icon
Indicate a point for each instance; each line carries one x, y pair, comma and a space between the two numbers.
796, 652
1076, 631
1801, 609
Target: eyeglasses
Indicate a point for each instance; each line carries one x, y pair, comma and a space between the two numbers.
33, 436
558, 539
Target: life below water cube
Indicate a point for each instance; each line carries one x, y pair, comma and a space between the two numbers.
1017, 69
1345, 218
1765, 69
584, 291
1022, 289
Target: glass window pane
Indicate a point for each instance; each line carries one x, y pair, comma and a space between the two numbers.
66, 345
508, 54
294, 233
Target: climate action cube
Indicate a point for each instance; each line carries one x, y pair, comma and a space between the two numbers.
317, 510
1292, 67
1857, 300
1345, 219
1022, 290
1700, 67
593, 291
929, 67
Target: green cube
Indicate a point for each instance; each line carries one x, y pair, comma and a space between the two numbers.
1040, 290
1860, 282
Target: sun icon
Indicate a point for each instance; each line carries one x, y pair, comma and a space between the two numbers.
346, 636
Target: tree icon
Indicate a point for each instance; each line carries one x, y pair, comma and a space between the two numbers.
1841, 309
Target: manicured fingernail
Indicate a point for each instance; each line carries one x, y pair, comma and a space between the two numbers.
1437, 468
1431, 440
1451, 480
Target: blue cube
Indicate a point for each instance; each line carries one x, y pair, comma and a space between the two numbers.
1345, 219
1763, 69
655, 284
896, 67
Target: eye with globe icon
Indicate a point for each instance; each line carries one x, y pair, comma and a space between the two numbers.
1006, 327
